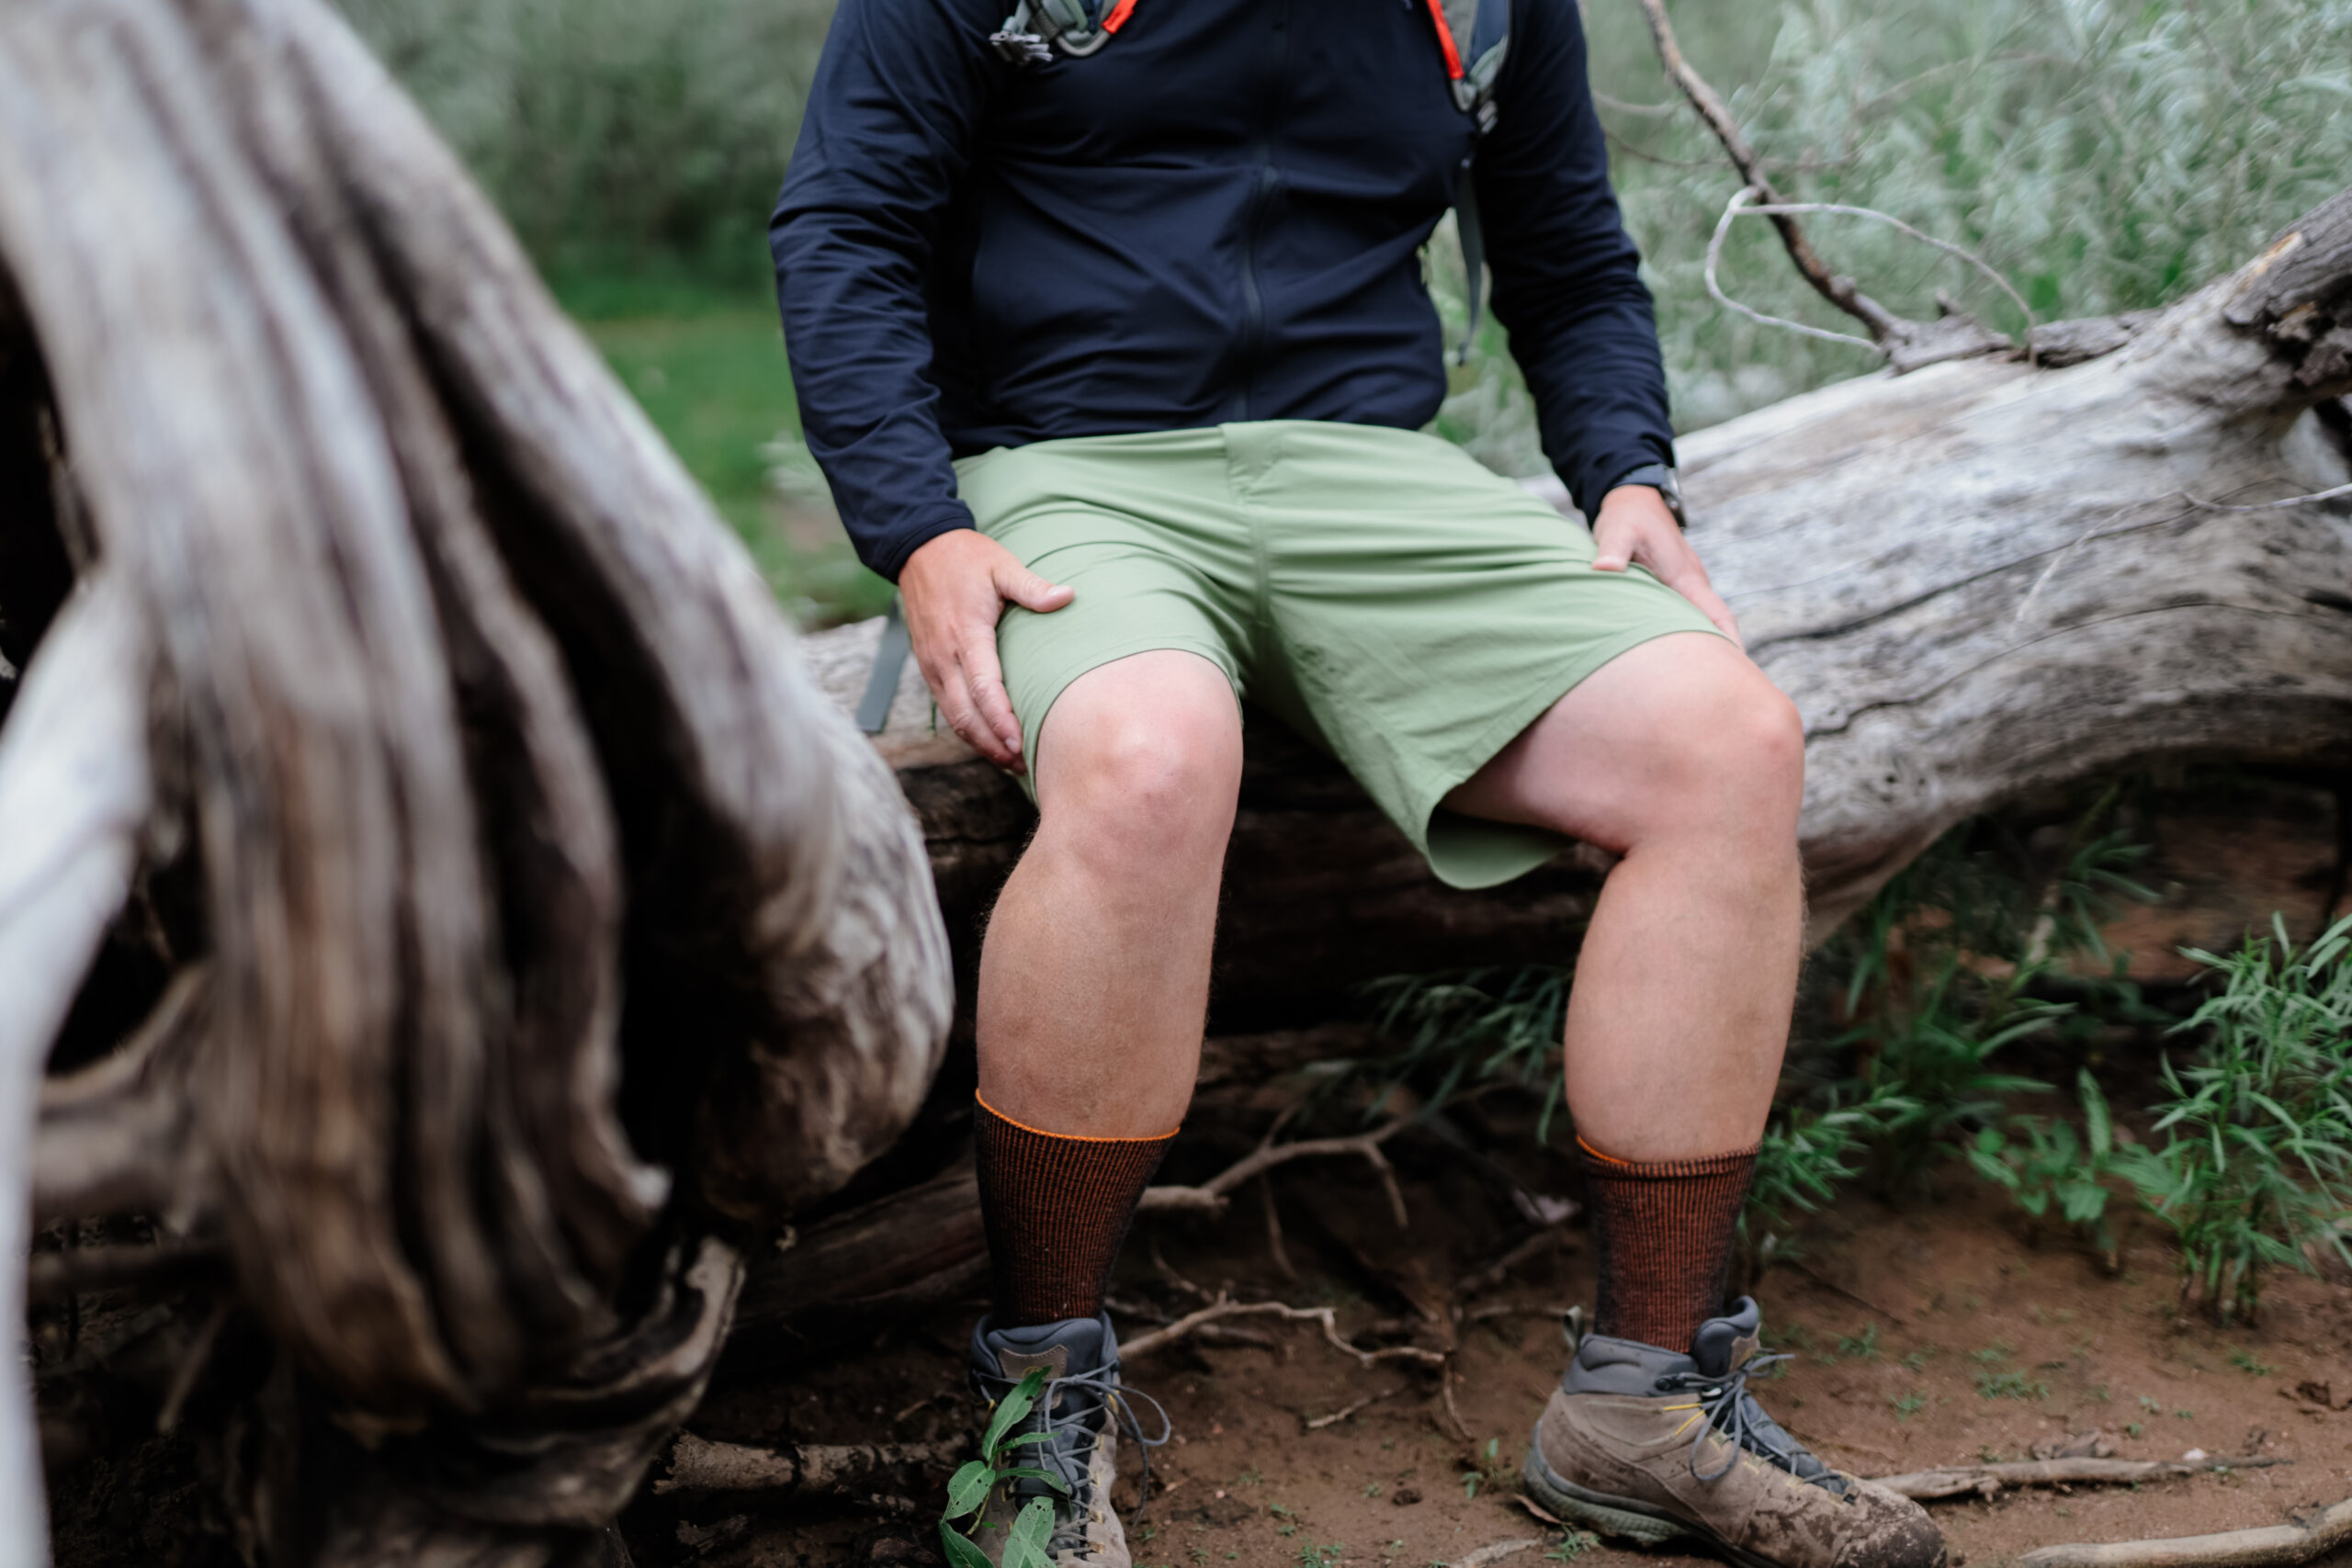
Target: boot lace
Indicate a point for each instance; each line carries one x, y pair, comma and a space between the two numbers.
1728, 1407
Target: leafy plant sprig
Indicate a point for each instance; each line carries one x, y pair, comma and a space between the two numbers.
968, 1488
2255, 1171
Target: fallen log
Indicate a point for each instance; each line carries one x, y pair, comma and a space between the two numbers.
1980, 581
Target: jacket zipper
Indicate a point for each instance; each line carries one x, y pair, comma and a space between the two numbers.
1269, 180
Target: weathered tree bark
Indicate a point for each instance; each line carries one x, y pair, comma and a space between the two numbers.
1979, 581
541, 932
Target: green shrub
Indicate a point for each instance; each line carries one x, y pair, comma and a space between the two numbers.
2048, 1169
615, 133
2255, 1169
2104, 155
1943, 971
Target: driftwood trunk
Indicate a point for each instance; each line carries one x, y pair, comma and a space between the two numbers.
530, 929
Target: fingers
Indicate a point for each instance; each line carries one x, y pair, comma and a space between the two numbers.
1613, 543
1619, 542
1020, 586
984, 678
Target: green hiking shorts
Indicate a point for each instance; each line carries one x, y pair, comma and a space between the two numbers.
1400, 605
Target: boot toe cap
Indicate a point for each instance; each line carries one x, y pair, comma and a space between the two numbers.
1892, 1531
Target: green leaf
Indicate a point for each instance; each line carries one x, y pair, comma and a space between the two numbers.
968, 1488
1055, 1481
1011, 1409
961, 1552
1024, 1543
1026, 1437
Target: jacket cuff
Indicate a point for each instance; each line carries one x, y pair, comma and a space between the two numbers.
887, 556
1606, 474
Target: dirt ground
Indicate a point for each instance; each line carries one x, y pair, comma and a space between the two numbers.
1937, 1336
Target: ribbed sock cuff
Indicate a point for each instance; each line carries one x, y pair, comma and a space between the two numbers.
1057, 1207
1663, 1231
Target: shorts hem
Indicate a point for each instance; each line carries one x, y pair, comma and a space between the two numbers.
1514, 722
1033, 735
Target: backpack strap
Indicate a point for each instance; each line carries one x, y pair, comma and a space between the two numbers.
1476, 37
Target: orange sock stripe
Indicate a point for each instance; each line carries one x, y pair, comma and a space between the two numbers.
1118, 17
1073, 1137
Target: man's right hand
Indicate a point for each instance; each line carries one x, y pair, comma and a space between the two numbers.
953, 589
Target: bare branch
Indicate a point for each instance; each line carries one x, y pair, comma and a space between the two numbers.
1210, 1197
1224, 1307
1885, 327
2275, 1546
1984, 1479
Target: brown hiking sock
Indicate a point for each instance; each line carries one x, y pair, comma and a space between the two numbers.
1056, 1209
1663, 1232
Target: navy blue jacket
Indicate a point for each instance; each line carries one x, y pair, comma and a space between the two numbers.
1216, 217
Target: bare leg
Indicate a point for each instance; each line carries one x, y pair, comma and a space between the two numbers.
1681, 756
1095, 976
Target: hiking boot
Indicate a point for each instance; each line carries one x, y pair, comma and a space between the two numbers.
1081, 1409
1655, 1447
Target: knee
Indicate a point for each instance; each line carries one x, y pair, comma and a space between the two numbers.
1735, 760
1147, 792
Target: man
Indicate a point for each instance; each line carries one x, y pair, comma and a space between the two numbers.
1114, 348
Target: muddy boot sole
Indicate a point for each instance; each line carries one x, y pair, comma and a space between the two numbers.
1623, 1518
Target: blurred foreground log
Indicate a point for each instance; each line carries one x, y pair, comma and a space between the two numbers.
516, 928
1980, 581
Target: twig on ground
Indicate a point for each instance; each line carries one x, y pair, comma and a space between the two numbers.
1984, 1479
1496, 1552
1453, 1411
1167, 1273
1223, 1307
1210, 1196
1333, 1419
2274, 1546
1275, 1228
1834, 1288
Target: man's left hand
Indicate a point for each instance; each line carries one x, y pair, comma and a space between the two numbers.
1634, 527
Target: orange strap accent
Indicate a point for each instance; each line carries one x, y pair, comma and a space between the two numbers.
1074, 1137
1444, 40
1112, 24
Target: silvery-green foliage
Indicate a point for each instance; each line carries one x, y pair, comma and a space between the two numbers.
2105, 155
612, 132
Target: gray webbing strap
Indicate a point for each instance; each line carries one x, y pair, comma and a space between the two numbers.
1474, 259
882, 685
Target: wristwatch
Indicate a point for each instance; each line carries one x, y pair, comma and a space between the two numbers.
1667, 484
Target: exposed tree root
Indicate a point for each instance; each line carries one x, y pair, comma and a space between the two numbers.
851, 1470
1223, 1307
